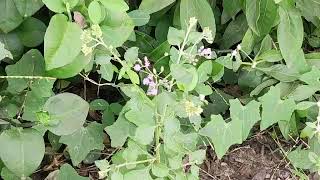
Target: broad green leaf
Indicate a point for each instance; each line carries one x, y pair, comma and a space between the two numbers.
217, 71
60, 6
31, 32
249, 40
198, 156
139, 17
309, 10
201, 10
99, 105
204, 71
67, 172
160, 170
272, 103
312, 78
10, 17
281, 72
302, 92
31, 64
261, 15
152, 6
117, 27
300, 158
68, 110
96, 12
106, 70
230, 10
175, 36
290, 38
104, 167
27, 8
115, 5
23, 152
6, 174
144, 134
270, 56
262, 86
119, 131
84, 140
141, 173
131, 55
72, 69
289, 128
247, 115
4, 53
186, 76
234, 32
222, 134
134, 77
62, 42
219, 103
13, 44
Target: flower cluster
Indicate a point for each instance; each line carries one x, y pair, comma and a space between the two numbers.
88, 38
205, 52
150, 80
192, 109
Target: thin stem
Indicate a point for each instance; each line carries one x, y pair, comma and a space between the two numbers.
69, 12
184, 43
98, 84
136, 162
28, 77
25, 125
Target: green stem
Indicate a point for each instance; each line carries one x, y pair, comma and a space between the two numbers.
136, 162
69, 12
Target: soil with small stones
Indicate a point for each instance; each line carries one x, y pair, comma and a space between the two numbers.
257, 159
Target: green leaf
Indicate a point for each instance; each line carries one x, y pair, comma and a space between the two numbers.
199, 9
4, 53
271, 103
234, 32
197, 156
270, 56
99, 105
6, 174
134, 77
139, 17
131, 55
31, 64
59, 6
160, 170
10, 17
72, 69
141, 173
24, 150
115, 5
152, 6
106, 70
104, 167
69, 110
222, 134
119, 131
186, 76
84, 140
312, 78
300, 158
13, 44
31, 32
247, 115
261, 15
290, 38
67, 172
27, 8
144, 134
117, 27
175, 36
96, 12
281, 72
204, 70
62, 42
230, 10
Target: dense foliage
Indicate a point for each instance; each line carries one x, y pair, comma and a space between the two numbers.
165, 67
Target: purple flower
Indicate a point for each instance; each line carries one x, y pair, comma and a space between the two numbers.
152, 91
146, 62
146, 81
137, 67
207, 53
